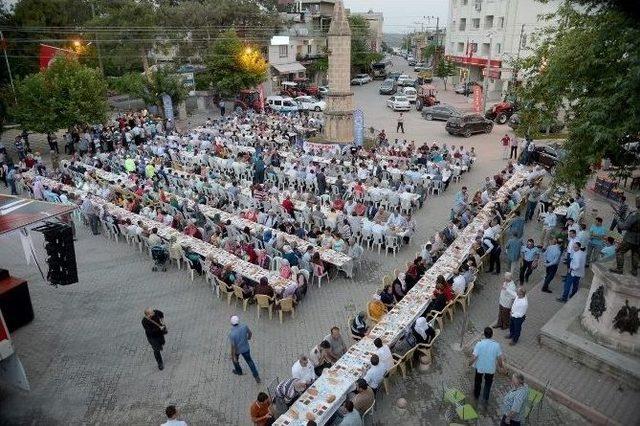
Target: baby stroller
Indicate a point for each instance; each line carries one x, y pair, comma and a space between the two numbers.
160, 255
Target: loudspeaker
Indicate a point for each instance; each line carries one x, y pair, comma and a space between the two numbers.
61, 254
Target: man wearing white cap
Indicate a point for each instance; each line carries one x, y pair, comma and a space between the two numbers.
239, 337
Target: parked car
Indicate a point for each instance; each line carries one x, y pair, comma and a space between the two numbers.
466, 125
405, 80
394, 75
411, 93
554, 127
323, 90
421, 69
282, 104
388, 87
360, 79
548, 156
399, 103
440, 112
465, 88
412, 62
309, 103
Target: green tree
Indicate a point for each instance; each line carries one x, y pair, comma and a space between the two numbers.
444, 69
232, 65
131, 33
586, 67
362, 56
31, 22
65, 94
428, 51
151, 86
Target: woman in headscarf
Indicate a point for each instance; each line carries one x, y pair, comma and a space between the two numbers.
359, 325
399, 286
250, 251
423, 331
285, 269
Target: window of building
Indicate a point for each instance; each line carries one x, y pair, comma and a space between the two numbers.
485, 49
488, 21
498, 48
474, 47
464, 2
463, 24
460, 47
284, 51
308, 49
501, 22
475, 23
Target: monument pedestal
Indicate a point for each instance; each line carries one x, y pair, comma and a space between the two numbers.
611, 312
595, 327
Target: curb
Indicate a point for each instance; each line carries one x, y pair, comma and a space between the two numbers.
590, 414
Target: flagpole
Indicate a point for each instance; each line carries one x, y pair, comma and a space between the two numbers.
6, 59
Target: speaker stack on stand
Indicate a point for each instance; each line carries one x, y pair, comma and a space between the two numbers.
58, 238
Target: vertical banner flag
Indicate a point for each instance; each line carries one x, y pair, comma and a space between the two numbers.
168, 106
477, 99
358, 127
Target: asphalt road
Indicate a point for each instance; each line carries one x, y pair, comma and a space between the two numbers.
380, 117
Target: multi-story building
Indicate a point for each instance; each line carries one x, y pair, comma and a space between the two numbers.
494, 32
376, 22
305, 40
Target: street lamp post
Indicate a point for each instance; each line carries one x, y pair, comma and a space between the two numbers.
6, 59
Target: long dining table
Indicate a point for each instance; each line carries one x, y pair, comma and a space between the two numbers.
323, 398
205, 250
340, 260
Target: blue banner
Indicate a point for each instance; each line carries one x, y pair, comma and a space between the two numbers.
358, 127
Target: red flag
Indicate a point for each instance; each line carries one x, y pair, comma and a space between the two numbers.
49, 53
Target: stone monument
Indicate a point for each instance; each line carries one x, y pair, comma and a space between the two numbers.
611, 311
338, 115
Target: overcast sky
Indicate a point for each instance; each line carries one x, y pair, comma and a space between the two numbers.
400, 16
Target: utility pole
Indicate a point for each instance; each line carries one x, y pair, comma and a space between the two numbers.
514, 72
6, 59
95, 35
485, 85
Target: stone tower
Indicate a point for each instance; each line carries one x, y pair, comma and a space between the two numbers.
338, 115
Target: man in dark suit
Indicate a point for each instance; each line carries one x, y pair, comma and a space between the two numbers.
154, 328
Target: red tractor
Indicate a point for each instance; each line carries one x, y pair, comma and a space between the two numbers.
426, 97
248, 99
501, 112
305, 86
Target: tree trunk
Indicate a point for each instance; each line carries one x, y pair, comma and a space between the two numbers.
145, 60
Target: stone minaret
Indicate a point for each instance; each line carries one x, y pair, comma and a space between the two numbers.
338, 115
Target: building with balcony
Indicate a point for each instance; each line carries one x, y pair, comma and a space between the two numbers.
304, 41
494, 33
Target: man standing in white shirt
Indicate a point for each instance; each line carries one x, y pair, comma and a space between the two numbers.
384, 353
376, 373
172, 417
518, 315
508, 294
303, 370
577, 264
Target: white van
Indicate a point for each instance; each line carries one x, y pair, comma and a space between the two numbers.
282, 104
410, 93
